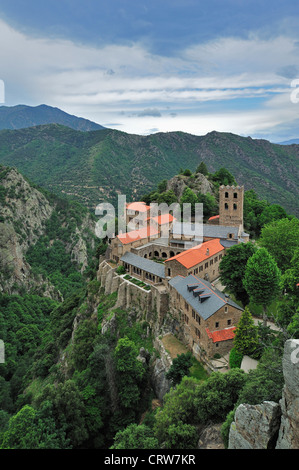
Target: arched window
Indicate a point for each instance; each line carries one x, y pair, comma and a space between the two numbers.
226, 194
226, 206
235, 207
235, 195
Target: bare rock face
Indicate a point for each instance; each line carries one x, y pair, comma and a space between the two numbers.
210, 437
255, 426
289, 430
199, 184
272, 425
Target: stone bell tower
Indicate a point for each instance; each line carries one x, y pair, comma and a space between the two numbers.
231, 200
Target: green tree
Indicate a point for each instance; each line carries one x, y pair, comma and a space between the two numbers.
291, 276
22, 432
265, 383
223, 176
189, 197
178, 407
181, 436
218, 395
130, 372
246, 335
162, 186
232, 269
68, 410
281, 239
179, 368
135, 437
202, 168
262, 279
271, 213
210, 205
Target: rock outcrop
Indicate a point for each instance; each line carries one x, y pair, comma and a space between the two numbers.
199, 184
271, 425
25, 212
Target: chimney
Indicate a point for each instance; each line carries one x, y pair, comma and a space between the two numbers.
208, 252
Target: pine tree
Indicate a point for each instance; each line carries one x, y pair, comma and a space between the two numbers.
246, 335
262, 279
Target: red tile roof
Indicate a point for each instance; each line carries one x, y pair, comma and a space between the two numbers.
163, 219
214, 217
221, 335
135, 235
199, 253
138, 206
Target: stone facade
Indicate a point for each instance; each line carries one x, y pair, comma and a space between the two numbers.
207, 269
194, 328
231, 205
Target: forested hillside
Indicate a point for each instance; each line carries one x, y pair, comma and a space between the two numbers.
98, 165
79, 370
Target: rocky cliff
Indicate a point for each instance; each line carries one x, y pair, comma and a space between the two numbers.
271, 425
26, 213
199, 184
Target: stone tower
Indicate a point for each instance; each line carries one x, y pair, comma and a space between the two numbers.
231, 200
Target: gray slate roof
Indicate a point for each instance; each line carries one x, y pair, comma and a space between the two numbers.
157, 269
205, 230
210, 305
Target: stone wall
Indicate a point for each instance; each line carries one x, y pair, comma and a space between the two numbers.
152, 305
271, 425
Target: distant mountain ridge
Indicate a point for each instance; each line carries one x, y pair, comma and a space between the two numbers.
97, 166
289, 142
23, 116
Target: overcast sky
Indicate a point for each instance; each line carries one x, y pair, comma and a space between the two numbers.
149, 66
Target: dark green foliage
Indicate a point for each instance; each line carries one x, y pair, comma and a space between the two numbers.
202, 168
117, 161
246, 339
266, 382
235, 358
210, 205
232, 269
218, 395
262, 279
179, 368
281, 239
135, 437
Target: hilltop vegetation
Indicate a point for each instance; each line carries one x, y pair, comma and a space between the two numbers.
99, 165
74, 376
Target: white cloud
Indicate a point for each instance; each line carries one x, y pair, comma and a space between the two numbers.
98, 83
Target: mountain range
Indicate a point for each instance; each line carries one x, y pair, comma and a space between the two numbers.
96, 166
22, 116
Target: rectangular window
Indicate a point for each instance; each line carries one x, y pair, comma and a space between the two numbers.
217, 324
